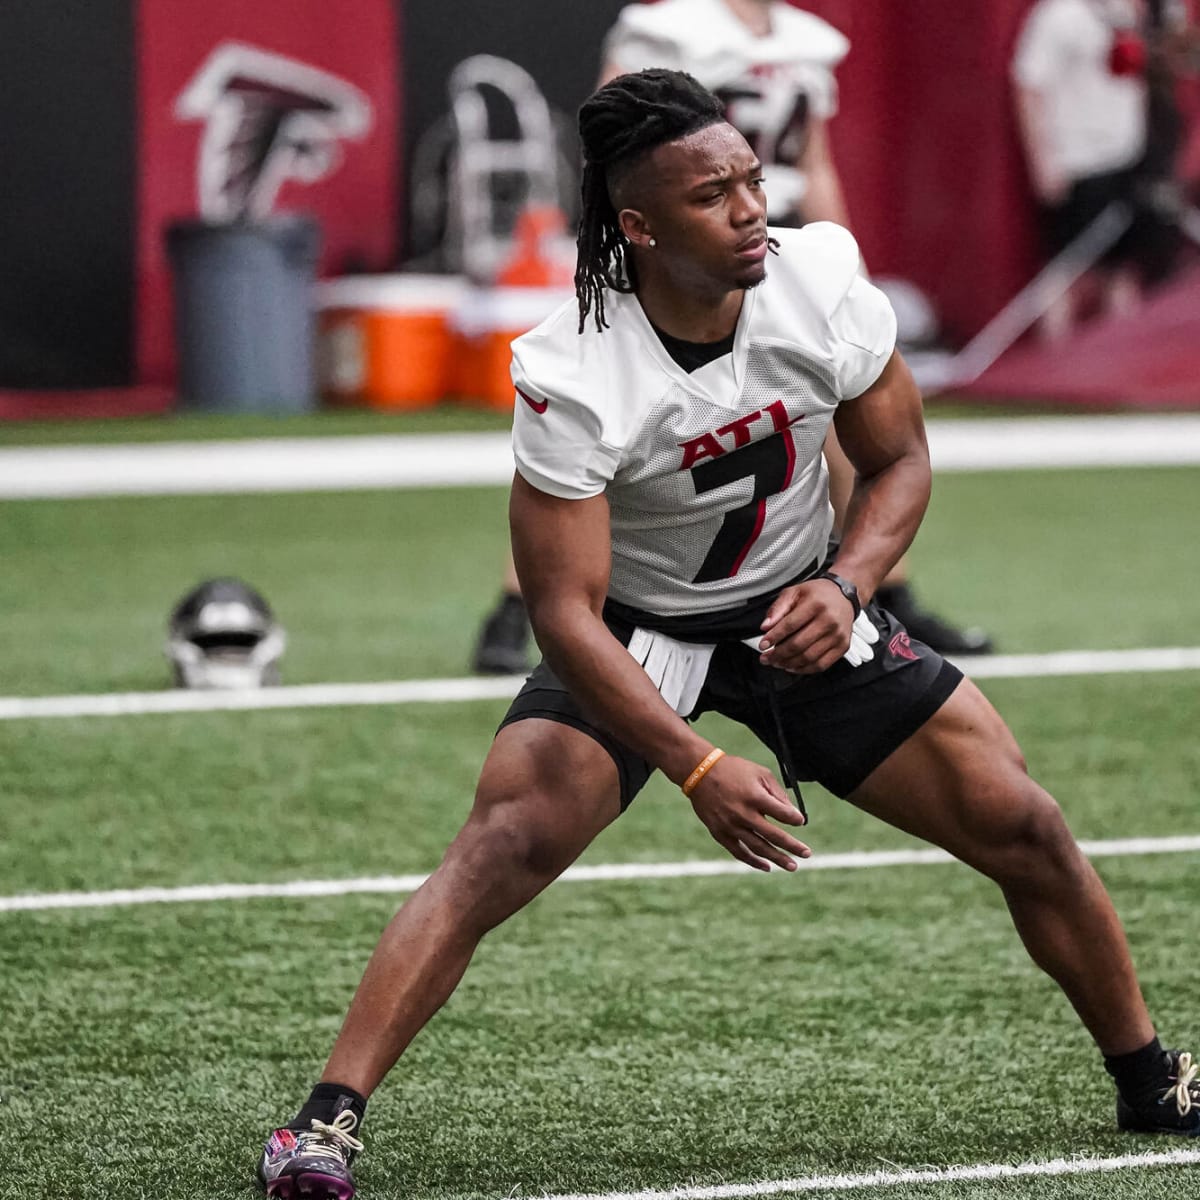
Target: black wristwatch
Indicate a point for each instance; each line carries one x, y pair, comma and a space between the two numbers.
846, 588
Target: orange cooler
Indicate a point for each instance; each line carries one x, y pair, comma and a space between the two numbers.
385, 340
485, 323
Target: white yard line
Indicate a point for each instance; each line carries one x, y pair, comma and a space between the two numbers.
440, 691
311, 464
1053, 442
1081, 662
316, 695
896, 1178
318, 464
854, 860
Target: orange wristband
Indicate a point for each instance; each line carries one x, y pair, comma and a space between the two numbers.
711, 759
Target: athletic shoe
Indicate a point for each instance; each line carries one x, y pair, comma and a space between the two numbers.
1172, 1108
503, 647
313, 1164
936, 633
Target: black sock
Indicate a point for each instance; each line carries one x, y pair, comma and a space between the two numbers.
1139, 1071
325, 1102
512, 600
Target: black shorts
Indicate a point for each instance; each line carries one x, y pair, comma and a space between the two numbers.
835, 728
1149, 244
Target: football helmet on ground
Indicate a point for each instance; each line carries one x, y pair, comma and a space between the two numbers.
223, 634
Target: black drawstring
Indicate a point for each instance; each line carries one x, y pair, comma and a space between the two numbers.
783, 754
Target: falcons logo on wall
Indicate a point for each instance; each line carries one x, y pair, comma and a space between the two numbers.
268, 119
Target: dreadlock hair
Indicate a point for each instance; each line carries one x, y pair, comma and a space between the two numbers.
618, 123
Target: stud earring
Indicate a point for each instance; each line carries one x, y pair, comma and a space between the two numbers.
653, 242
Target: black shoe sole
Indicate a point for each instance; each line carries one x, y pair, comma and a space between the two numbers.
1131, 1121
309, 1187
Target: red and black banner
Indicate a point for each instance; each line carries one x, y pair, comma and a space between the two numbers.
122, 116
251, 108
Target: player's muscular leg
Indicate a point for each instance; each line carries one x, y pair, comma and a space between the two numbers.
545, 792
960, 782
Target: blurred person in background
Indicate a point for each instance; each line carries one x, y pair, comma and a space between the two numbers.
1171, 164
1099, 126
772, 66
1183, 54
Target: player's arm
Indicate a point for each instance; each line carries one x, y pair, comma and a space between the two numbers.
562, 552
1043, 48
609, 70
823, 198
1050, 183
882, 433
639, 39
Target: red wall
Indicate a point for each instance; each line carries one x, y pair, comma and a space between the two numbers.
355, 201
925, 141
926, 144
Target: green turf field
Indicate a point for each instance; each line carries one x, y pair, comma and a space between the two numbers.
615, 1036
387, 585
186, 427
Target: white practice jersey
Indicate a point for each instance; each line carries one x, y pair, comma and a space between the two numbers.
1095, 121
715, 480
771, 86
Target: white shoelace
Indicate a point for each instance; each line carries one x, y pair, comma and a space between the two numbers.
1182, 1091
332, 1141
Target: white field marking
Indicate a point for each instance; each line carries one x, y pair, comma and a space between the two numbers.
883, 1179
854, 860
1081, 662
504, 687
1053, 442
316, 695
314, 464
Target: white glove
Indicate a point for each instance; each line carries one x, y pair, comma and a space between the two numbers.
863, 636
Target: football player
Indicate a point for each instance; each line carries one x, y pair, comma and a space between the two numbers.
772, 67
1099, 127
671, 527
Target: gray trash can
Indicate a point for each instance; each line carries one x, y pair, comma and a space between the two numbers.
244, 320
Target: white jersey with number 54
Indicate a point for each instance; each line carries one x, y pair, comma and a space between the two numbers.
772, 86
715, 479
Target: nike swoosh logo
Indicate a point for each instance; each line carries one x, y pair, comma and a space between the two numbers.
538, 406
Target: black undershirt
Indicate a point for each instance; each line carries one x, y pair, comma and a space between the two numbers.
691, 356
